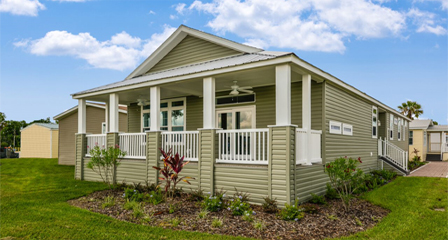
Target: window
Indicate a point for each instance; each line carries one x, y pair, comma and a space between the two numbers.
236, 118
172, 115
424, 138
391, 127
243, 98
399, 130
347, 129
411, 137
374, 122
335, 127
405, 124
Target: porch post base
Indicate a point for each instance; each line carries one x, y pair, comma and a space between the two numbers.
206, 161
113, 140
81, 149
153, 145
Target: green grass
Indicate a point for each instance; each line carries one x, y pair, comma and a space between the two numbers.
34, 194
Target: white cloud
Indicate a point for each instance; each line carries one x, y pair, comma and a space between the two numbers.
172, 17
180, 8
121, 52
21, 7
152, 12
69, 0
426, 22
317, 25
444, 3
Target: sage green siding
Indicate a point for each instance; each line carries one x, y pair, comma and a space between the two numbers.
341, 106
249, 179
382, 130
80, 151
310, 179
134, 118
403, 143
89, 174
190, 170
194, 116
131, 171
207, 158
153, 143
192, 50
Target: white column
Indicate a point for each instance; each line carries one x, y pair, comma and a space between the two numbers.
283, 95
106, 117
81, 116
155, 108
306, 114
113, 112
209, 103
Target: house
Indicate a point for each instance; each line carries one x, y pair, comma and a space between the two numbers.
96, 124
260, 121
429, 139
39, 140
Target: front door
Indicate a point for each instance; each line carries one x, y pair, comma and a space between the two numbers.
434, 142
237, 142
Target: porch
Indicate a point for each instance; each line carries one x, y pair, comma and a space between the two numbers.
263, 135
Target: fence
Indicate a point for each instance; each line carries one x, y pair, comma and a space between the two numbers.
185, 143
134, 144
93, 140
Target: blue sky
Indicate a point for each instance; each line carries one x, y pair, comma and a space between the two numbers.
392, 50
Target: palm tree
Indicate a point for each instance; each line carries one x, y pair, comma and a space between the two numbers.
411, 109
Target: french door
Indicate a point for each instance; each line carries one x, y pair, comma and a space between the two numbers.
434, 142
237, 143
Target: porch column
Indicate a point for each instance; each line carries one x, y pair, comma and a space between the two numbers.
113, 112
81, 116
106, 116
306, 115
209, 103
283, 95
155, 108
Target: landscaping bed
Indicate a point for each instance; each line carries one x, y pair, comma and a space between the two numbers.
330, 220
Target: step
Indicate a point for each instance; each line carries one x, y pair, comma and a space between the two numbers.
433, 157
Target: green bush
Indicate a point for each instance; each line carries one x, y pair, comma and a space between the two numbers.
238, 207
309, 208
387, 175
133, 195
130, 205
270, 205
196, 195
109, 201
331, 192
291, 212
317, 199
155, 197
213, 203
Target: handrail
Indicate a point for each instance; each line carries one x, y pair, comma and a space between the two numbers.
394, 153
95, 140
185, 143
134, 144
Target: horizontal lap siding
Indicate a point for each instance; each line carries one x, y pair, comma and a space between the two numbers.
89, 174
310, 179
189, 170
252, 180
281, 183
134, 118
131, 171
403, 143
192, 50
316, 105
193, 119
343, 107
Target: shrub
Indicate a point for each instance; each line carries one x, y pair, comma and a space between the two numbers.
109, 201
216, 222
137, 210
317, 199
244, 197
103, 162
270, 205
309, 208
259, 225
344, 177
388, 175
248, 215
130, 205
133, 195
173, 208
196, 195
203, 214
213, 203
155, 197
331, 192
291, 212
238, 207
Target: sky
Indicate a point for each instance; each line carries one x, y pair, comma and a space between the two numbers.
392, 50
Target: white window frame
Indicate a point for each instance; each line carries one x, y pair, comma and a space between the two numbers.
399, 130
169, 108
233, 110
334, 131
411, 136
103, 128
375, 115
405, 123
347, 126
391, 127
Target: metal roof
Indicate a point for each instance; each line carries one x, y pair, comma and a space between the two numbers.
438, 128
51, 126
193, 68
420, 123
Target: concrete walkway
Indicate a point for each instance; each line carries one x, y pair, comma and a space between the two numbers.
432, 169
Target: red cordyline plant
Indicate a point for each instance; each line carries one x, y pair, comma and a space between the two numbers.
344, 177
172, 166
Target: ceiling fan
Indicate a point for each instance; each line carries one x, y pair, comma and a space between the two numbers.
142, 102
237, 89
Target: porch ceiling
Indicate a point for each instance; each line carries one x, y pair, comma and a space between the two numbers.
258, 77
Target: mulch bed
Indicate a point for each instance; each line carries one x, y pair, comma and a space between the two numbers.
329, 222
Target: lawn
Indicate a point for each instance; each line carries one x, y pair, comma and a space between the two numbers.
34, 194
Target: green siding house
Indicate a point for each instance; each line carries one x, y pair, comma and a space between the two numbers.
260, 121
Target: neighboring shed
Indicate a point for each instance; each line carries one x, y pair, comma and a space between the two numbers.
39, 140
68, 127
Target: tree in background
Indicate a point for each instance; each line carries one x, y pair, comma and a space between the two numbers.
10, 133
411, 109
435, 123
2, 120
47, 120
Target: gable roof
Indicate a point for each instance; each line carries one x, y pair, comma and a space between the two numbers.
175, 38
51, 126
438, 128
121, 109
420, 124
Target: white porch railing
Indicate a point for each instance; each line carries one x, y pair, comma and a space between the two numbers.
95, 140
314, 146
393, 152
134, 144
245, 146
185, 143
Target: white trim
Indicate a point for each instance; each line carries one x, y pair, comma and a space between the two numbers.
283, 95
230, 96
208, 111
347, 126
88, 104
336, 124
391, 126
81, 116
169, 108
155, 108
233, 110
375, 115
113, 112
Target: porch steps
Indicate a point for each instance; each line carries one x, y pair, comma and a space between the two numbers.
393, 164
433, 157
